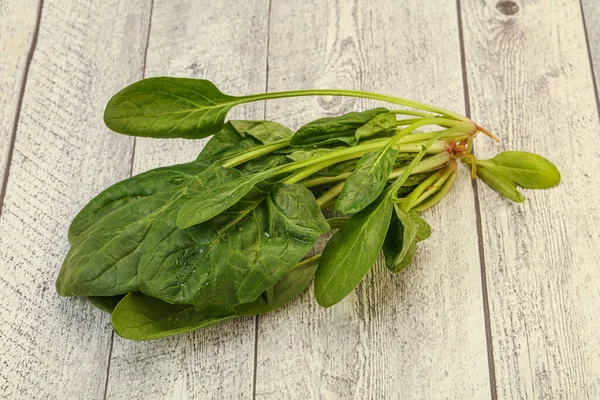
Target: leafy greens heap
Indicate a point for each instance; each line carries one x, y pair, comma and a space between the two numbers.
187, 246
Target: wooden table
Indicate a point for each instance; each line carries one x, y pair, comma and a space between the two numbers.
502, 302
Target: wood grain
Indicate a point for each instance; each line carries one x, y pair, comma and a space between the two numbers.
225, 42
531, 83
417, 334
18, 22
53, 347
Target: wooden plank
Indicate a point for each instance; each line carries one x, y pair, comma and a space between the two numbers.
530, 82
18, 22
53, 347
225, 42
591, 16
417, 334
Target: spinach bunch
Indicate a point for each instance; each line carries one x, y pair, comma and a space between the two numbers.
232, 233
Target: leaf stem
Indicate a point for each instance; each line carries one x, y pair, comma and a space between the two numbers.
256, 152
439, 195
329, 195
337, 222
428, 164
355, 93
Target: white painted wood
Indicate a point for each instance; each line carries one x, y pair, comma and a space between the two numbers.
18, 20
418, 334
51, 347
591, 13
531, 83
225, 42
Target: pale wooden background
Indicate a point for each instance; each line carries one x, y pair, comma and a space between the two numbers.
503, 302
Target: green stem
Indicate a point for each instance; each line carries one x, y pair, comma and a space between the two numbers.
256, 152
309, 260
439, 195
354, 93
413, 113
411, 199
402, 178
329, 195
429, 187
337, 222
428, 164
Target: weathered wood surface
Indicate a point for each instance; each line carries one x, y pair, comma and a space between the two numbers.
193, 39
18, 23
591, 18
418, 334
52, 347
530, 81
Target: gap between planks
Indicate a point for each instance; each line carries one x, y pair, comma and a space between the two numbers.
480, 244
112, 334
11, 146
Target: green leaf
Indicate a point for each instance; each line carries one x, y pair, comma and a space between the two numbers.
340, 129
405, 230
265, 131
106, 304
367, 181
141, 317
499, 182
108, 234
226, 143
527, 170
263, 163
234, 257
380, 124
217, 199
166, 107
352, 251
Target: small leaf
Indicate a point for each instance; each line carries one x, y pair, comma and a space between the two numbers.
367, 181
380, 124
336, 129
265, 131
400, 246
352, 251
217, 199
527, 170
226, 143
166, 107
501, 184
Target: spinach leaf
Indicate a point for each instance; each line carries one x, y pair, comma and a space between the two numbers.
405, 230
263, 163
352, 251
340, 129
231, 259
226, 143
166, 107
108, 234
367, 181
499, 182
265, 131
106, 304
380, 124
141, 317
527, 170
217, 199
